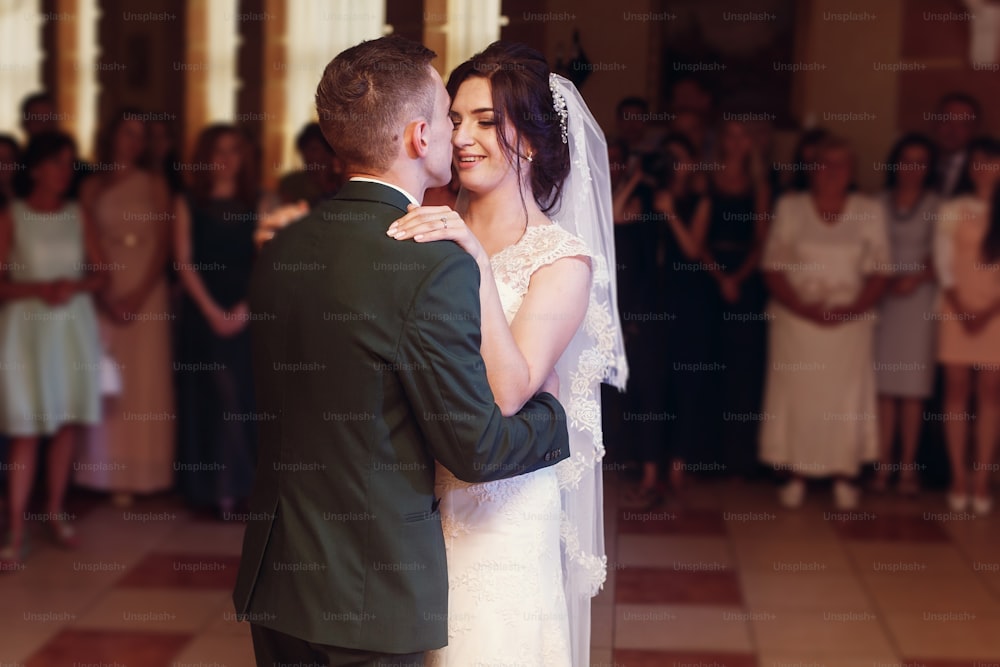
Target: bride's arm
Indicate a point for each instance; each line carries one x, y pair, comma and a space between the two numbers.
520, 357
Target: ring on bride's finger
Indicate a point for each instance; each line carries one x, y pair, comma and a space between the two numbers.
445, 221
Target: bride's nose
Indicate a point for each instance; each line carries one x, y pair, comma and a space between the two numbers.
460, 137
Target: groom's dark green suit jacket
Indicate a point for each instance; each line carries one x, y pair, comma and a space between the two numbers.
367, 370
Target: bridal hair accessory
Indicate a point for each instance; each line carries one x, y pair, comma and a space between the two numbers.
559, 104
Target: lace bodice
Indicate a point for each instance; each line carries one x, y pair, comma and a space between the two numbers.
540, 246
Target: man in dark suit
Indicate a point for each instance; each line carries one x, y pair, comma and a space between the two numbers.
957, 122
367, 370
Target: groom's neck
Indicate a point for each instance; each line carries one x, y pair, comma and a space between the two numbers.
412, 184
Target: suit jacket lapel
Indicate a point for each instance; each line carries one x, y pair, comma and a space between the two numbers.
375, 192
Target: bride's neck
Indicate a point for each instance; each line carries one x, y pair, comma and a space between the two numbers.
497, 217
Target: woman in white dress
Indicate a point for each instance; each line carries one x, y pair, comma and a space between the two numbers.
825, 263
525, 555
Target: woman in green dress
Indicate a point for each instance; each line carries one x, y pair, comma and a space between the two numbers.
49, 349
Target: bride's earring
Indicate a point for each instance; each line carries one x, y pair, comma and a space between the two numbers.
530, 155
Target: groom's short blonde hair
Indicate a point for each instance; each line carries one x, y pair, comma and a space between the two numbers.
368, 94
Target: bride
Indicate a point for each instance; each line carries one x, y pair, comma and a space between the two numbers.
526, 554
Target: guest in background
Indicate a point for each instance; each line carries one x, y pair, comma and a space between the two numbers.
761, 133
322, 173
214, 252
637, 418
825, 264
616, 163
804, 161
958, 121
694, 127
630, 132
10, 164
690, 92
904, 334
133, 449
38, 114
49, 348
967, 256
740, 199
164, 162
163, 158
693, 106
687, 300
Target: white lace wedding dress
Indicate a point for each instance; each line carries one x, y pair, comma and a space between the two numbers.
506, 603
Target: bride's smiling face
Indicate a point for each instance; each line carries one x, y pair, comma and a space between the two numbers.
478, 157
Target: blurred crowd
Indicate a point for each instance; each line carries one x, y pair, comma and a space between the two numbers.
124, 348
776, 318
779, 320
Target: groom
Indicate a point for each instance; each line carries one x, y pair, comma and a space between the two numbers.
367, 370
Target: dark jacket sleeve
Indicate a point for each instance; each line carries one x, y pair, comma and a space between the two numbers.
444, 378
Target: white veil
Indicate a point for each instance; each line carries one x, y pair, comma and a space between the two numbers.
595, 354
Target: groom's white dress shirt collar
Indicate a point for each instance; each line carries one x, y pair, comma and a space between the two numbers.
388, 185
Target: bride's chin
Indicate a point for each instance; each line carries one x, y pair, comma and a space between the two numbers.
470, 185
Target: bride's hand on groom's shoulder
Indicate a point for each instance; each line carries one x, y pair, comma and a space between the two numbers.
270, 222
436, 223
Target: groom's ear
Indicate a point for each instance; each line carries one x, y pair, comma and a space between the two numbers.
416, 138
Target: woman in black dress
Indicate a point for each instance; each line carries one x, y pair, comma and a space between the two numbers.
740, 200
636, 419
686, 295
214, 256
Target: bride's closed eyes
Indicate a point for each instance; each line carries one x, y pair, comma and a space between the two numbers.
484, 121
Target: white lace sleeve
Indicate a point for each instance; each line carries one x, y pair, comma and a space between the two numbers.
542, 245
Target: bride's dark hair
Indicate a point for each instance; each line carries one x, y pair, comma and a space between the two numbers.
522, 101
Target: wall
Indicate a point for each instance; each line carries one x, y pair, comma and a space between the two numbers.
139, 47
936, 32
617, 46
849, 95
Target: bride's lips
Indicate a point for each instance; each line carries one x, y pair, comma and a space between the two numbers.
468, 161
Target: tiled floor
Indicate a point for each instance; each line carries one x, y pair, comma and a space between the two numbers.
728, 579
